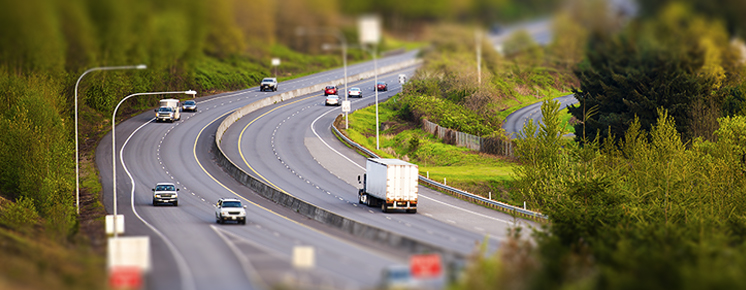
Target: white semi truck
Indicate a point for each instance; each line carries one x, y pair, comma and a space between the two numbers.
389, 183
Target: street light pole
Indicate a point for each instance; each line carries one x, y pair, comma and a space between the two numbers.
114, 146
77, 151
341, 37
375, 87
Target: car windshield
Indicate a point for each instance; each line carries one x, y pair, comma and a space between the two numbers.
231, 204
354, 89
165, 109
268, 80
381, 83
165, 188
332, 97
329, 88
189, 103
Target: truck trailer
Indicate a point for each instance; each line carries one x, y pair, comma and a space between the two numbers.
389, 183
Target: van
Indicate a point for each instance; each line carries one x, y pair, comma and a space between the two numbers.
170, 110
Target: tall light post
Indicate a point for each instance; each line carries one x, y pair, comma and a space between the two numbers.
369, 30
114, 145
341, 37
77, 151
375, 87
478, 36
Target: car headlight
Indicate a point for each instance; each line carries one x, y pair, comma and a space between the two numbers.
158, 195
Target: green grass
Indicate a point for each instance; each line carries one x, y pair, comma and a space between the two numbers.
37, 263
565, 119
463, 168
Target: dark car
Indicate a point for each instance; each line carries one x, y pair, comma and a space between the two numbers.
330, 90
382, 86
189, 106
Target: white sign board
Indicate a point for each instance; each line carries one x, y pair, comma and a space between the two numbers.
129, 252
346, 106
110, 224
303, 257
369, 29
275, 61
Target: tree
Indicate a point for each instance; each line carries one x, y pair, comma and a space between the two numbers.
673, 62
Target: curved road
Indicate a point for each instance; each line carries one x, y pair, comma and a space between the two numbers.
514, 122
303, 158
190, 251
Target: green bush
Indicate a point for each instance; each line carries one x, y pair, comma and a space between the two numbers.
20, 215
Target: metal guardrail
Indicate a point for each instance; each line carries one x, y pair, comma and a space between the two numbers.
463, 194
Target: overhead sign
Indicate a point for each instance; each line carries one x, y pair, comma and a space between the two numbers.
369, 29
275, 61
425, 266
345, 106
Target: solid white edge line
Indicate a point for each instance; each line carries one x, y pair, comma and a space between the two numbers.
187, 280
358, 165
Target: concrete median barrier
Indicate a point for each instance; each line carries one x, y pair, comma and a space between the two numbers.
309, 210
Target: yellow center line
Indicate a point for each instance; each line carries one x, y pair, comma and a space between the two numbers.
240, 137
194, 152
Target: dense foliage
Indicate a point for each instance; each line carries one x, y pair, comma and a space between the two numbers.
446, 90
679, 61
645, 212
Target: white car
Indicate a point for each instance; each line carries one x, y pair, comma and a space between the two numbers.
355, 92
165, 192
402, 78
230, 209
332, 100
268, 84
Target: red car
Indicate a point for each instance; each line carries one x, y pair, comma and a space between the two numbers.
382, 86
330, 90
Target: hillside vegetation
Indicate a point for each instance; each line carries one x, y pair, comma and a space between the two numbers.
650, 194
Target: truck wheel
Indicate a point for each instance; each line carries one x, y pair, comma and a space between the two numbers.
154, 202
383, 207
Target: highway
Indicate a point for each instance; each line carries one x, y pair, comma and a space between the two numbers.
304, 159
188, 249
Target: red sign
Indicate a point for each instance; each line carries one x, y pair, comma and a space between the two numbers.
125, 278
425, 266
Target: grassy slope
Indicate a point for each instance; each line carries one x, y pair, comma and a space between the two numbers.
471, 171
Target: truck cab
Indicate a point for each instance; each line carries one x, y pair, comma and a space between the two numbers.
169, 110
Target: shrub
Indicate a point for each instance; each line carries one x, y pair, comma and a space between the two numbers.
20, 215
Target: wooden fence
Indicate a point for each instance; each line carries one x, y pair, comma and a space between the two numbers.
490, 145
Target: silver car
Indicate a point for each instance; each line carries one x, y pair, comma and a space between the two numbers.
332, 100
165, 192
355, 92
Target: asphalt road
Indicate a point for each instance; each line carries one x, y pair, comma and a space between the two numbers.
515, 121
189, 250
291, 147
